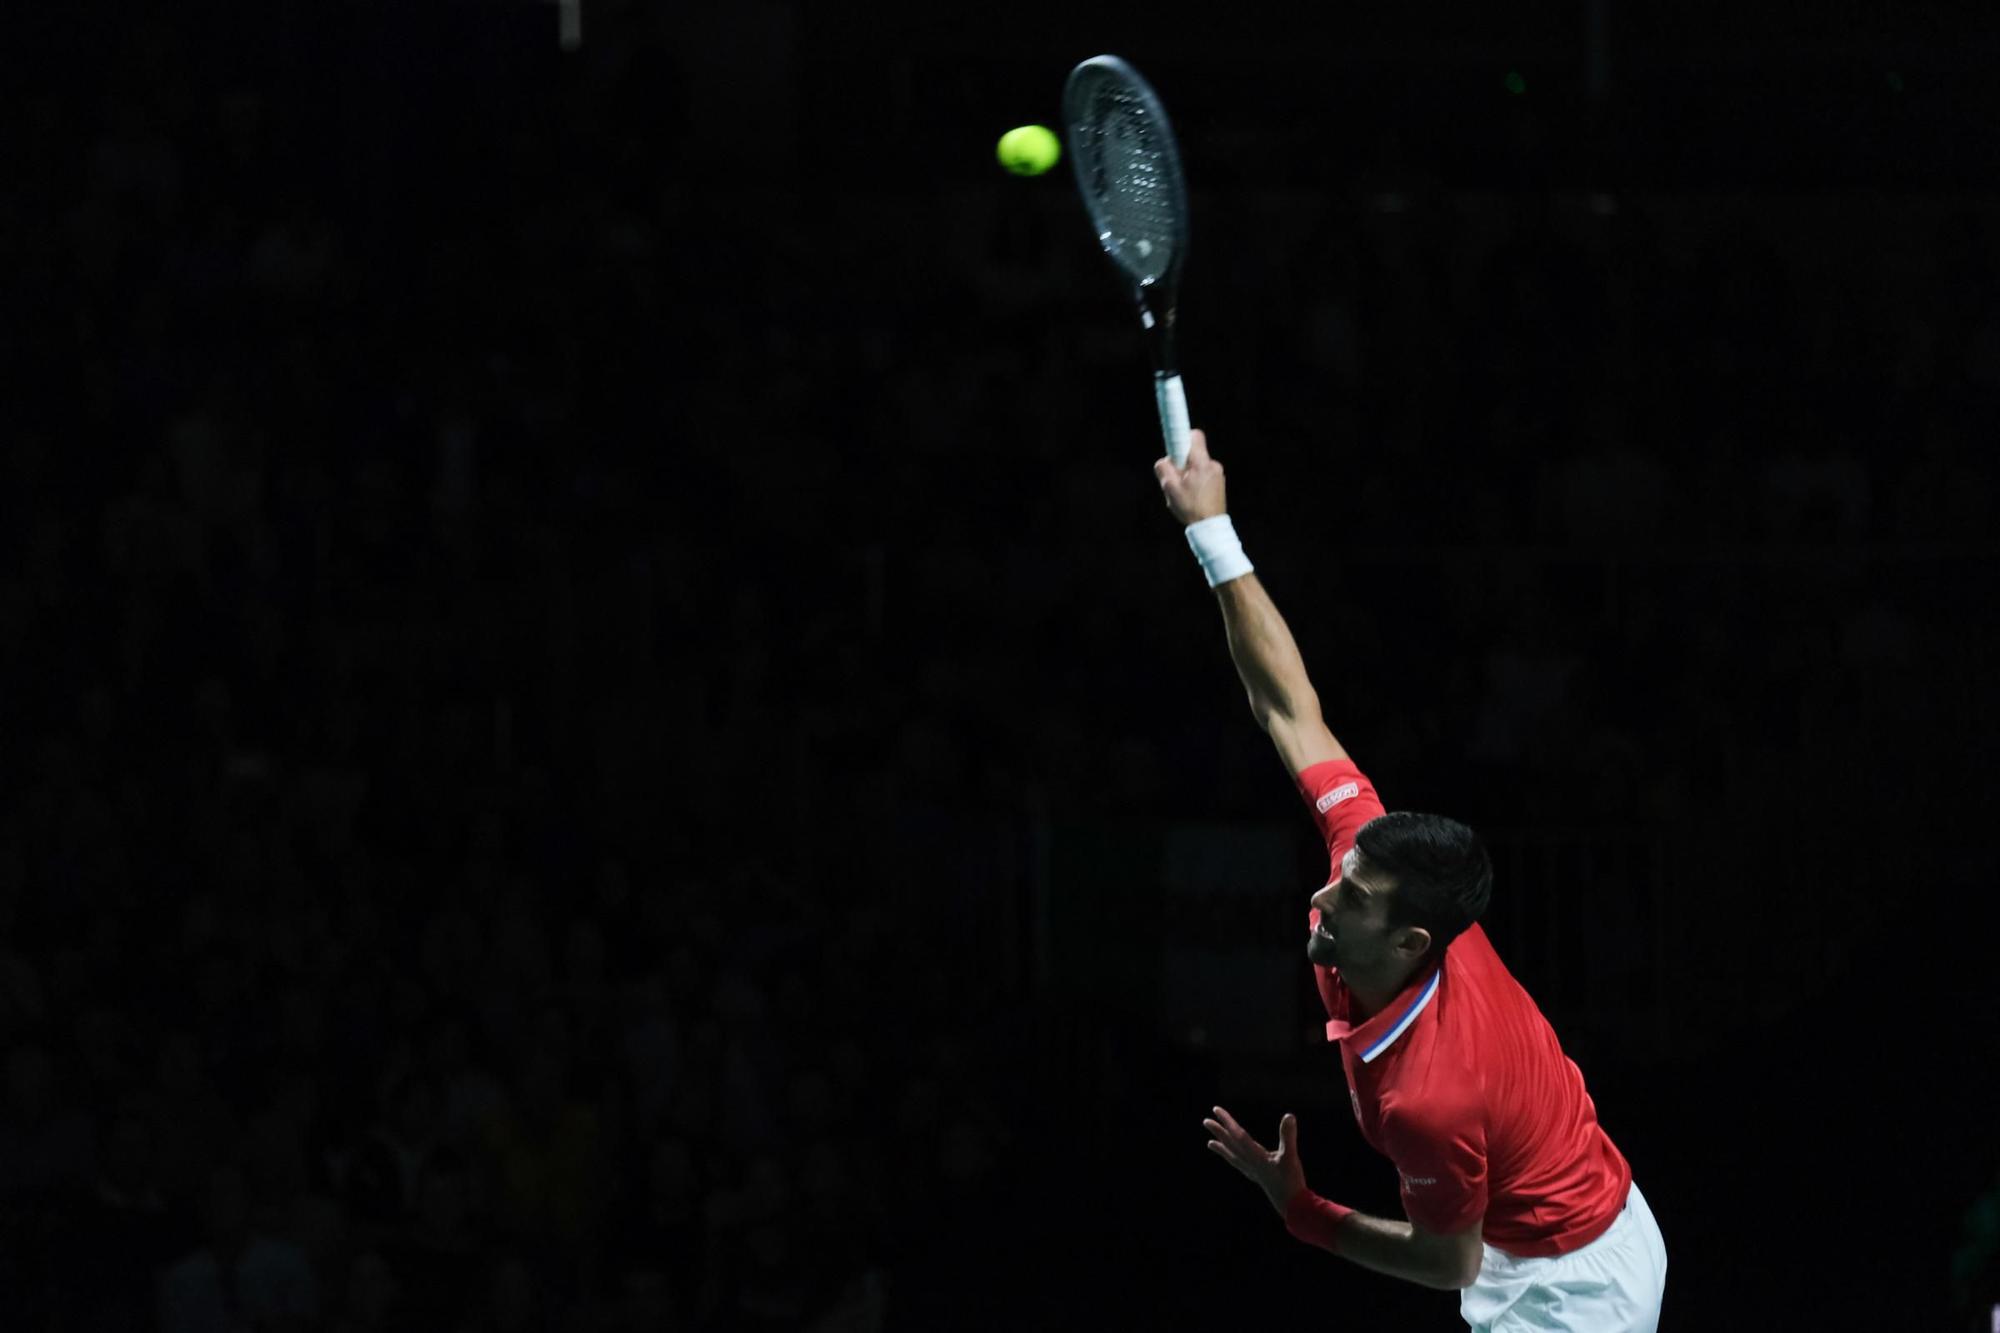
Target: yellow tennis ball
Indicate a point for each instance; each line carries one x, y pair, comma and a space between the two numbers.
1029, 150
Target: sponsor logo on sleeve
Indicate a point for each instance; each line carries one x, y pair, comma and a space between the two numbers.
1411, 1182
1345, 791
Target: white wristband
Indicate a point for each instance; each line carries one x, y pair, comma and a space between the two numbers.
1214, 543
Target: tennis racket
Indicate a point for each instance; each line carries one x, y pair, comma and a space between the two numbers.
1128, 170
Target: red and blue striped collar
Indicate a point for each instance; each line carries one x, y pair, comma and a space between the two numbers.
1381, 1031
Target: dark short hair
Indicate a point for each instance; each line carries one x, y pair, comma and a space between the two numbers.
1442, 875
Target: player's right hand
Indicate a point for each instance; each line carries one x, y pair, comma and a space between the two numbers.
1194, 492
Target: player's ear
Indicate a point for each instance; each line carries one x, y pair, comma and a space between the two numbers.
1411, 941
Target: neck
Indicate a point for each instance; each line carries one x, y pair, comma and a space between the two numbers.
1369, 996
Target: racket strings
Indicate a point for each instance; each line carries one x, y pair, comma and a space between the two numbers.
1131, 174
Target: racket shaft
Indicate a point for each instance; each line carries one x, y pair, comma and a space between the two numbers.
1173, 415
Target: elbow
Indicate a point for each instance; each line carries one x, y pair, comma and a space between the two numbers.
1463, 1272
1455, 1265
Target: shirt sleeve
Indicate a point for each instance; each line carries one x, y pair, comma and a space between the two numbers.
1442, 1166
1342, 799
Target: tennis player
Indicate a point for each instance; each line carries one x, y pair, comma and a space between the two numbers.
1516, 1197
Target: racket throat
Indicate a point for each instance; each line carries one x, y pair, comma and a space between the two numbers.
1159, 336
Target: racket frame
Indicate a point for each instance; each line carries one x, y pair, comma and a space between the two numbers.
1157, 298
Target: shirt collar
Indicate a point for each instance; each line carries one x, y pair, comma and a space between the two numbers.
1380, 1032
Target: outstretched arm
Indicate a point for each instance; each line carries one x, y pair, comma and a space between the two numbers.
1448, 1261
1281, 697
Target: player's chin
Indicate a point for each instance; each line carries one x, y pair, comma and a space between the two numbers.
1320, 949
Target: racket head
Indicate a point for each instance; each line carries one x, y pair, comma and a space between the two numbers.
1128, 172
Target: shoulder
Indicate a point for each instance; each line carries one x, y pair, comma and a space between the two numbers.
1471, 965
1479, 990
1472, 941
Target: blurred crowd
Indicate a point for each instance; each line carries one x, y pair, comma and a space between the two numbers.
398, 927
524, 678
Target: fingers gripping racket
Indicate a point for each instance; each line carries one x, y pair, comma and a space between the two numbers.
1128, 170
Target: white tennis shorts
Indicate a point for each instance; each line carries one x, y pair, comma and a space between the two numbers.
1612, 1285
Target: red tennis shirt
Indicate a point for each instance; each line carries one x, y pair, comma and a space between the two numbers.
1462, 1084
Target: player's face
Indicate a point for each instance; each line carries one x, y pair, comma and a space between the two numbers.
1353, 932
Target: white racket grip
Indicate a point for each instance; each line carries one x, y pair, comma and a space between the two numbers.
1173, 415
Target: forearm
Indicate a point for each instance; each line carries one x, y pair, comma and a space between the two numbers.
1396, 1249
1267, 659
1391, 1248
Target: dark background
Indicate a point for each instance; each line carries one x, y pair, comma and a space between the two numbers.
605, 729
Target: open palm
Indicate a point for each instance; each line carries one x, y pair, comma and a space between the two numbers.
1279, 1174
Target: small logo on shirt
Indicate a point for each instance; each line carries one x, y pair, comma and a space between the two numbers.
1341, 793
1411, 1182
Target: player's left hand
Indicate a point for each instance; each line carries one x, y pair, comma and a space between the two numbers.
1279, 1174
